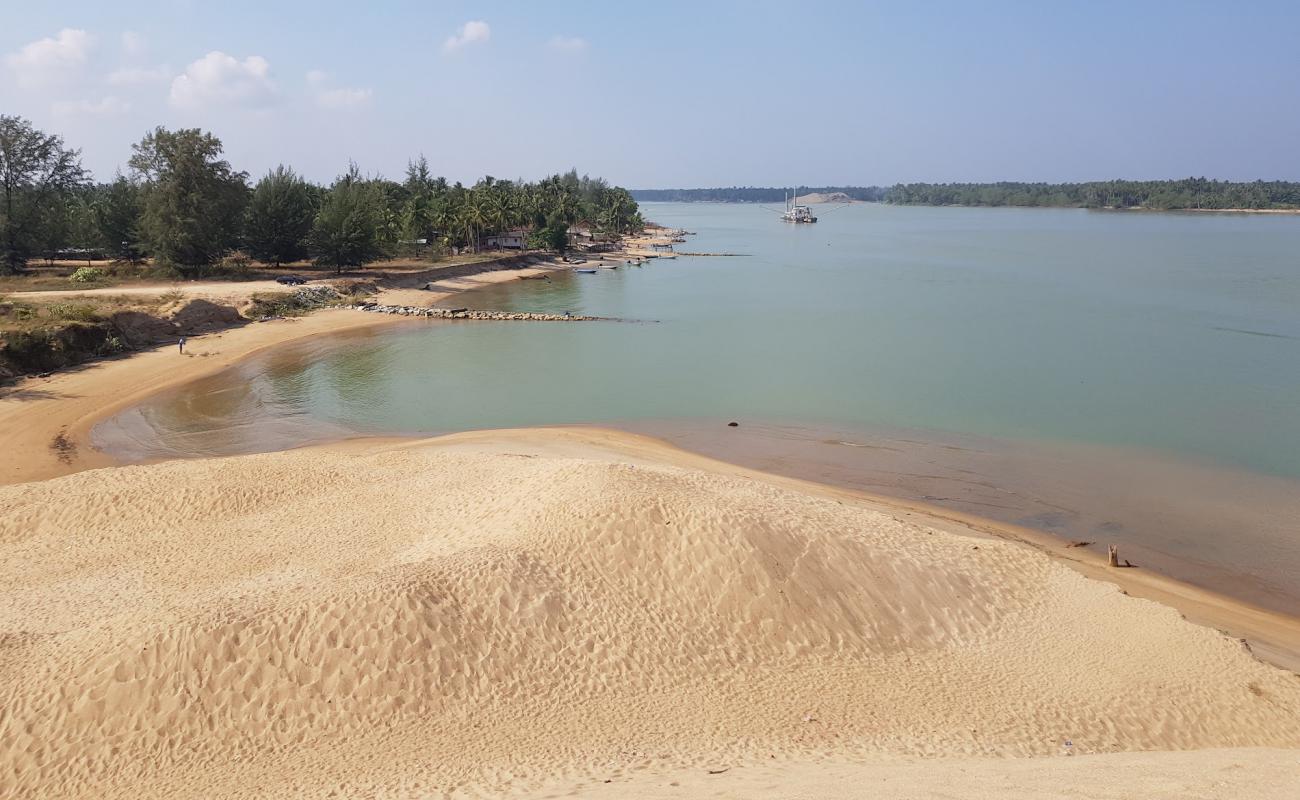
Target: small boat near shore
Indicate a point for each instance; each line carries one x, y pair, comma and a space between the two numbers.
587, 271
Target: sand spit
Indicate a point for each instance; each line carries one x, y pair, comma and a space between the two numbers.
492, 613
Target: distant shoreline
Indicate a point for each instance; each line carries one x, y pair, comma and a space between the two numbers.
1148, 209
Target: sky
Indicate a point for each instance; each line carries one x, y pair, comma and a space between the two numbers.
675, 94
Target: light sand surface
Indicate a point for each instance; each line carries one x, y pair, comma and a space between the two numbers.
538, 612
441, 290
1259, 774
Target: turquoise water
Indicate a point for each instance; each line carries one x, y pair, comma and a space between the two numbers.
1178, 333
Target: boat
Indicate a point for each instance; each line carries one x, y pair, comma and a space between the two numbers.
586, 271
796, 213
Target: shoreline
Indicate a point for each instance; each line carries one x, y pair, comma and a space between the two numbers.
37, 412
70, 404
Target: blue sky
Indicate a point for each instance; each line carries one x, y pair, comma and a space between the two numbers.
673, 93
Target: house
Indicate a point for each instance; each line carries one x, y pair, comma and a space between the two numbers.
516, 239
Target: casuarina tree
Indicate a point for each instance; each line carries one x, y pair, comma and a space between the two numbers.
193, 200
37, 175
281, 212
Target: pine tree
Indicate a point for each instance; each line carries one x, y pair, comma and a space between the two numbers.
281, 212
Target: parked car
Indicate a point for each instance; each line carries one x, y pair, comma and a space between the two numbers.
290, 280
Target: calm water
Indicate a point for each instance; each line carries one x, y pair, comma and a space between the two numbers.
1169, 338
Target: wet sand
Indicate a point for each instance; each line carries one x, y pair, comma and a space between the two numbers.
1226, 530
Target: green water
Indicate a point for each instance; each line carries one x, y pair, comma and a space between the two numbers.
1174, 332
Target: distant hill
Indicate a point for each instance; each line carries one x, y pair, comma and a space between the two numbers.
756, 194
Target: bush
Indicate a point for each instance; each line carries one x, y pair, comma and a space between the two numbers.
72, 313
236, 264
301, 301
87, 275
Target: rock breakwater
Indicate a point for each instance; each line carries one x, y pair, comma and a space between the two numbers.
465, 313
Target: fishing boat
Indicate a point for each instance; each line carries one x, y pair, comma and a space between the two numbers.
796, 213
586, 271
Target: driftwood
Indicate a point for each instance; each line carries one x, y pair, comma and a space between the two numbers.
1112, 555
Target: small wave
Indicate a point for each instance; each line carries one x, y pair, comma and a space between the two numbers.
1258, 333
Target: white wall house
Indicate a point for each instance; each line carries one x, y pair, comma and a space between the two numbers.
510, 240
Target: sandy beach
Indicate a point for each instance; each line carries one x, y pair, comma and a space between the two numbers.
577, 612
493, 613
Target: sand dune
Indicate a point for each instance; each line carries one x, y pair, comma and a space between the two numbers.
495, 613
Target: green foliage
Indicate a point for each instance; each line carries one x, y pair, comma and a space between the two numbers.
87, 275
37, 177
116, 209
347, 228
186, 208
553, 236
193, 200
1190, 193
281, 212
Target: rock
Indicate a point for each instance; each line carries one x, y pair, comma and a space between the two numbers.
733, 424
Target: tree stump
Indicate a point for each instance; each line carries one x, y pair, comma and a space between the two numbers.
1112, 555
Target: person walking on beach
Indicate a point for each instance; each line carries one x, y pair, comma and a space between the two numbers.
180, 345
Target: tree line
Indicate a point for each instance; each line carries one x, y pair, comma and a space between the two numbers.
1188, 193
1167, 195
184, 206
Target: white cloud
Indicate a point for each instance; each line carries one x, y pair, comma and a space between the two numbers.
51, 59
316, 77
139, 76
336, 99
567, 44
132, 43
472, 32
103, 107
218, 79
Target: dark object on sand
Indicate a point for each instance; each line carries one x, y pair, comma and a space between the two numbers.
733, 424
290, 280
1080, 543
